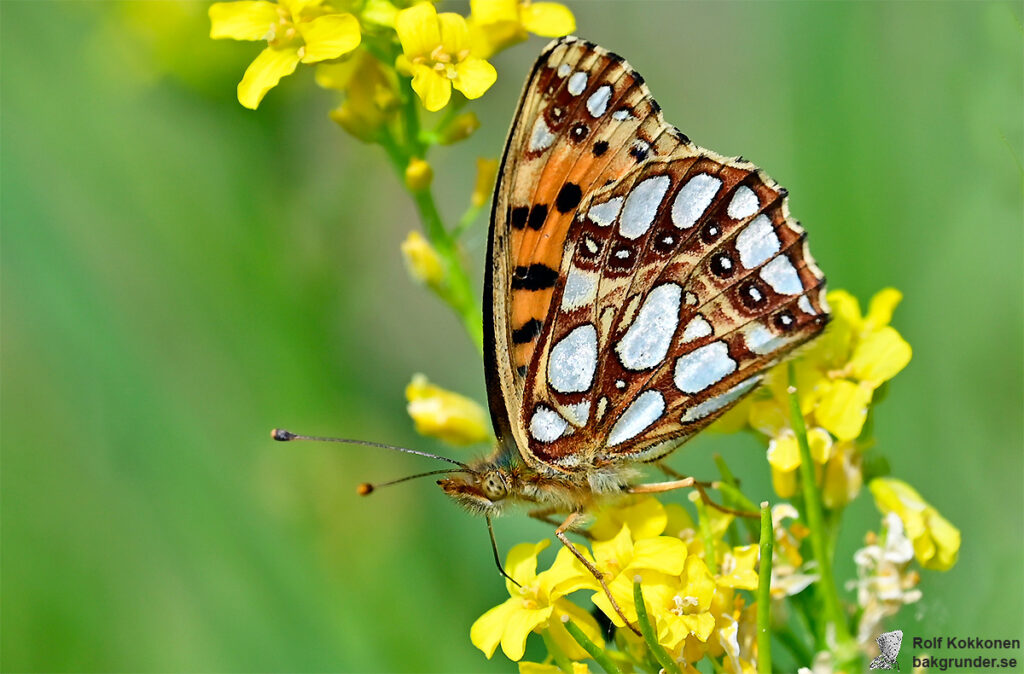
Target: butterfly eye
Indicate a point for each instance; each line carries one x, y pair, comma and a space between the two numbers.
494, 487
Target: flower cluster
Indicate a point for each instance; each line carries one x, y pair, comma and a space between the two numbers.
839, 378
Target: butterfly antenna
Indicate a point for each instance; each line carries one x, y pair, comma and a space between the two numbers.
494, 549
282, 435
367, 488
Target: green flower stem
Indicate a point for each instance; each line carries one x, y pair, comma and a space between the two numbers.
764, 595
595, 651
825, 588
456, 289
663, 658
704, 523
556, 652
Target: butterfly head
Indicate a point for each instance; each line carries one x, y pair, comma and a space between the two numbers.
485, 489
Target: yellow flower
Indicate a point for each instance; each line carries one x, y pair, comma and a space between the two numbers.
858, 354
936, 541
645, 516
737, 567
370, 94
437, 54
306, 31
623, 558
442, 414
681, 606
497, 24
837, 377
538, 604
784, 457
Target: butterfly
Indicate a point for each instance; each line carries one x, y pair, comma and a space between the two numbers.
637, 287
889, 644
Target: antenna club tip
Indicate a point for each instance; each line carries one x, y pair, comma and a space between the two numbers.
282, 435
365, 489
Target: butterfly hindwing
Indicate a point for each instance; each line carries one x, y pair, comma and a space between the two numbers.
640, 284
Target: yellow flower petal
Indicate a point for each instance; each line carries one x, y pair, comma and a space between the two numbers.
880, 356
843, 407
700, 625
329, 36
264, 73
663, 554
843, 479
380, 12
518, 626
493, 11
820, 444
242, 20
738, 568
521, 564
433, 88
548, 19
784, 452
699, 582
475, 76
645, 517
488, 629
566, 575
454, 33
418, 30
336, 75
679, 523
936, 541
784, 482
881, 308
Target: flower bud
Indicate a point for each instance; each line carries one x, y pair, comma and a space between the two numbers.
443, 414
460, 128
418, 174
422, 261
486, 171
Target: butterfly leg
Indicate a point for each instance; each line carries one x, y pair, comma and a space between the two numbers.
701, 487
560, 533
545, 515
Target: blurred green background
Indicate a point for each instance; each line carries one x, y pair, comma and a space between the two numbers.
180, 275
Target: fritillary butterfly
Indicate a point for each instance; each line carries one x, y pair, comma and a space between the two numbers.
638, 286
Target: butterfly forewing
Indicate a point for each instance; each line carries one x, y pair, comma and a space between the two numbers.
640, 284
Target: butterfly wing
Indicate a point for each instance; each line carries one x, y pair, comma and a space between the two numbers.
585, 119
655, 283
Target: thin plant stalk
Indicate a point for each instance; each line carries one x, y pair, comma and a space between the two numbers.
659, 652
764, 593
593, 650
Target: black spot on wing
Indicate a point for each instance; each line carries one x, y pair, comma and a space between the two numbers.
600, 147
568, 197
518, 216
534, 277
538, 214
527, 332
